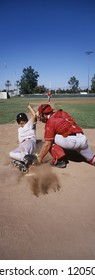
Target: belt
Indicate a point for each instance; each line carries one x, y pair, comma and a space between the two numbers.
25, 140
74, 134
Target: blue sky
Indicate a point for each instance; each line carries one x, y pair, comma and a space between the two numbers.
51, 36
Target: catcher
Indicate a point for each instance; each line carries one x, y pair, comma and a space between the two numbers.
62, 132
21, 156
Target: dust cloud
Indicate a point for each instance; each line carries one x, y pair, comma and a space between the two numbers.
40, 179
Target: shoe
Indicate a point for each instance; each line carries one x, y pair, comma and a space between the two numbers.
28, 160
58, 163
31, 159
20, 165
61, 164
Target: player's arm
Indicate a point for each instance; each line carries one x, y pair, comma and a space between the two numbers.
34, 116
45, 149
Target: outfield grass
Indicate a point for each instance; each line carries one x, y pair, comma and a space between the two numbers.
83, 113
9, 108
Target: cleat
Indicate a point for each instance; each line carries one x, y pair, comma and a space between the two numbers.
61, 164
20, 165
58, 163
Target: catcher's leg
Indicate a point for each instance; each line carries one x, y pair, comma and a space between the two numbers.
92, 161
58, 156
88, 155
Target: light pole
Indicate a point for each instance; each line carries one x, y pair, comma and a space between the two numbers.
89, 53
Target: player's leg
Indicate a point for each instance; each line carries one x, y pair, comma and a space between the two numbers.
78, 143
17, 160
85, 150
69, 142
27, 148
88, 154
15, 154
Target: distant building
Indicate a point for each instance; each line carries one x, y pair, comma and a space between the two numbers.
83, 92
4, 95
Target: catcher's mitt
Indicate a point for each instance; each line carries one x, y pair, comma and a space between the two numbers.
31, 160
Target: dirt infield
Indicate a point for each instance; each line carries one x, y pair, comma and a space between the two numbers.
56, 222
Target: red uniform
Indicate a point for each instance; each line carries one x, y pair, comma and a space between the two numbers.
65, 132
49, 93
60, 123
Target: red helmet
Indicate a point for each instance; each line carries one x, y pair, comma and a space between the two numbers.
45, 109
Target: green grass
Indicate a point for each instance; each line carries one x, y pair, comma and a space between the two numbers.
9, 108
83, 113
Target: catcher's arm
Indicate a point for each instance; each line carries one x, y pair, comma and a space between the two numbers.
37, 158
45, 149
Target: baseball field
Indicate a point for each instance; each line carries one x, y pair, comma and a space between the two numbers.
52, 215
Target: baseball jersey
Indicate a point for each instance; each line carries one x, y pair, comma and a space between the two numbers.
60, 123
49, 94
26, 132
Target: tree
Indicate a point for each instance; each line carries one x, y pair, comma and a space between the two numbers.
28, 80
8, 84
74, 83
39, 89
93, 84
59, 90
